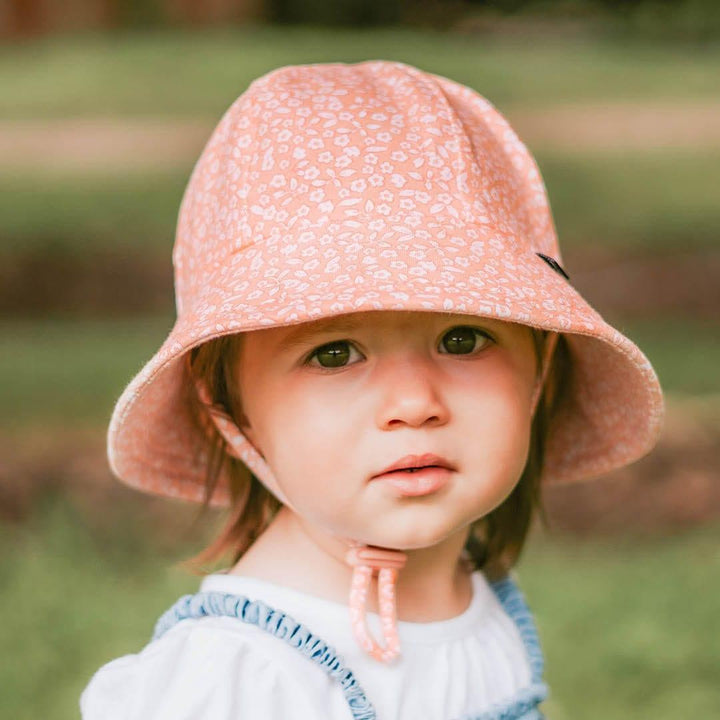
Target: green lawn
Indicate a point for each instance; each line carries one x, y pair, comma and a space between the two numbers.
684, 352
201, 72
626, 627
70, 372
635, 202
81, 214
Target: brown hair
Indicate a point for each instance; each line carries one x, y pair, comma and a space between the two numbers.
495, 541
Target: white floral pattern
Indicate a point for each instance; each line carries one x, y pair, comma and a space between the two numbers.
335, 188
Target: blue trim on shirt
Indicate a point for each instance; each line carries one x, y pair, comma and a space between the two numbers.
284, 627
514, 604
277, 623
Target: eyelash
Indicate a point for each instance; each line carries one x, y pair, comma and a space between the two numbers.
307, 360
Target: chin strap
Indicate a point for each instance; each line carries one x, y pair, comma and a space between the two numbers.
365, 561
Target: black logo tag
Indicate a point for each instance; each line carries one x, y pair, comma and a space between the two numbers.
554, 264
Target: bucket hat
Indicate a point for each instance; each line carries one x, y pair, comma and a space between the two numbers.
346, 187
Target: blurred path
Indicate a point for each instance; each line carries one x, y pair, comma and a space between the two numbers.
136, 143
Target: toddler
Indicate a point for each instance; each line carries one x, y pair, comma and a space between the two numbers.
377, 363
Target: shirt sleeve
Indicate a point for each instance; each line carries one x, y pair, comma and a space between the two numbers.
200, 671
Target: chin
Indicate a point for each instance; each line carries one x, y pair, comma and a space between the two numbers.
417, 535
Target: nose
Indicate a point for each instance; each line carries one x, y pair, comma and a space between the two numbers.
410, 393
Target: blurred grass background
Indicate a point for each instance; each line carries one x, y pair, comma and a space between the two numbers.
166, 73
88, 569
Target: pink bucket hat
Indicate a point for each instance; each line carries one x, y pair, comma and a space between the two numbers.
335, 188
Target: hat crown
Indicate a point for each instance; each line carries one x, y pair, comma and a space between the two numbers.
374, 153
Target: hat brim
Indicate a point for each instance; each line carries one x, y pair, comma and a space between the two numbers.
610, 416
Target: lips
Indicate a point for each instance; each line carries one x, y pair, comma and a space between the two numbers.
417, 461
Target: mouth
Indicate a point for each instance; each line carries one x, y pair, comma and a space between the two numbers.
416, 481
413, 470
412, 464
415, 475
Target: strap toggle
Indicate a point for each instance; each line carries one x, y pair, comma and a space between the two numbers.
365, 561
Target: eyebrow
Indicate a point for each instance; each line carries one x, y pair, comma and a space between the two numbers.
307, 331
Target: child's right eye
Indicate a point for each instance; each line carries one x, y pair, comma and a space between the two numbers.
336, 353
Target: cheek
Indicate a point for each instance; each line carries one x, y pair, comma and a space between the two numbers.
502, 437
498, 432
305, 442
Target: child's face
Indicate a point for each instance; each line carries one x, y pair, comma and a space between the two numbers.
336, 407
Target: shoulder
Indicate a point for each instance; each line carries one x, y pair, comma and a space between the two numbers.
213, 667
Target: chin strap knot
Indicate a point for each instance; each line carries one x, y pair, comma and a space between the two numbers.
365, 561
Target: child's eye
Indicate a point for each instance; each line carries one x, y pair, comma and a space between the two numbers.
335, 354
460, 340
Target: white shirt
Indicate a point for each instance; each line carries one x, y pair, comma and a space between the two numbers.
218, 668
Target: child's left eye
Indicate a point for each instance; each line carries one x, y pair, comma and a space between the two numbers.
461, 340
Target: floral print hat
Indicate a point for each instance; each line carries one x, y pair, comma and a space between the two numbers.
334, 188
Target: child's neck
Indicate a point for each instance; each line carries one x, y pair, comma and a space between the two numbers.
433, 585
